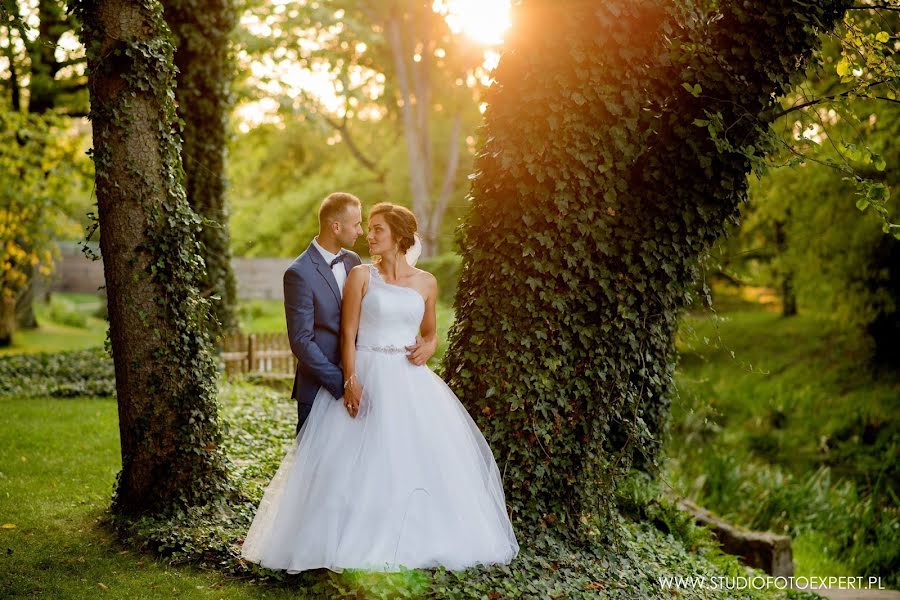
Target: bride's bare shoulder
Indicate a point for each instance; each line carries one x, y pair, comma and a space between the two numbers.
359, 273
426, 277
423, 273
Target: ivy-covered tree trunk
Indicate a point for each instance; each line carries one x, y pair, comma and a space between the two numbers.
201, 29
165, 371
597, 188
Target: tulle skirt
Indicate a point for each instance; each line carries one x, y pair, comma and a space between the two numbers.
410, 482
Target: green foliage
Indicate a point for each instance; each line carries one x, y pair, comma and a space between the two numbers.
40, 168
835, 136
840, 262
63, 374
780, 426
869, 75
42, 73
64, 312
424, 108
594, 194
280, 176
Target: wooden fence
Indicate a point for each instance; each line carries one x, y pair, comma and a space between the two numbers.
258, 353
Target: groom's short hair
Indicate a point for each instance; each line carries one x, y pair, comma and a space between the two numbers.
334, 205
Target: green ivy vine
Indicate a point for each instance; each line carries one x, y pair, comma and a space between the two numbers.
595, 192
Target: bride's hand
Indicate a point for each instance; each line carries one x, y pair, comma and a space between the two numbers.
352, 398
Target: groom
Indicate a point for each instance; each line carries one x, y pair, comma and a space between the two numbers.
313, 286
312, 301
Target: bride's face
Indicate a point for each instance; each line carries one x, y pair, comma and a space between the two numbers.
380, 238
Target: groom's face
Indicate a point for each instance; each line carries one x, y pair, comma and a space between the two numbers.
349, 226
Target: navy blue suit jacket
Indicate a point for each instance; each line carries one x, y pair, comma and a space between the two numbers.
312, 306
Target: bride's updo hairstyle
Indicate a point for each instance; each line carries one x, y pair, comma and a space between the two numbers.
401, 220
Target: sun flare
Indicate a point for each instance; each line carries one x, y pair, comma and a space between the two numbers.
485, 21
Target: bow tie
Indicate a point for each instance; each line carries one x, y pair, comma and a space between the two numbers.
339, 258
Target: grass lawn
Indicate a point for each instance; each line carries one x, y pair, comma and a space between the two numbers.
781, 424
57, 469
790, 391
57, 330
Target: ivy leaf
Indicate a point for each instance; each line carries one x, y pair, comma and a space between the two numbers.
694, 90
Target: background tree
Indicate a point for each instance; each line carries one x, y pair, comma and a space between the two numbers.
39, 169
834, 139
165, 371
44, 73
288, 168
202, 30
842, 262
598, 187
390, 61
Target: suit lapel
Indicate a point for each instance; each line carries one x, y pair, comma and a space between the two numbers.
347, 265
325, 271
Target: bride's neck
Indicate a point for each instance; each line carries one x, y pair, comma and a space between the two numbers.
392, 266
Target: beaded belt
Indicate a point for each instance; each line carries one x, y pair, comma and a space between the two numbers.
384, 349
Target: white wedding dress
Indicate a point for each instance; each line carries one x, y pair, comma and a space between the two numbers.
410, 482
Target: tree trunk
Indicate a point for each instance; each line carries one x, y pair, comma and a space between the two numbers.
165, 371
15, 91
202, 29
435, 219
43, 88
596, 190
784, 276
885, 328
788, 296
25, 317
418, 167
7, 320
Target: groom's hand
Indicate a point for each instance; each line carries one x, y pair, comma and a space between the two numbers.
421, 351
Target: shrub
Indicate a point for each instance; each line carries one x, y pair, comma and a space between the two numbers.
62, 374
66, 313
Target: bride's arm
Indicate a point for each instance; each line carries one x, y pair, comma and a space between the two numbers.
428, 328
354, 289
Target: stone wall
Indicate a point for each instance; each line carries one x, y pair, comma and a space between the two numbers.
257, 278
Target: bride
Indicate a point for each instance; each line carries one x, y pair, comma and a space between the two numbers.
399, 474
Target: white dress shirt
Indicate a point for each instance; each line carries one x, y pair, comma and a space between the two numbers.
340, 273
